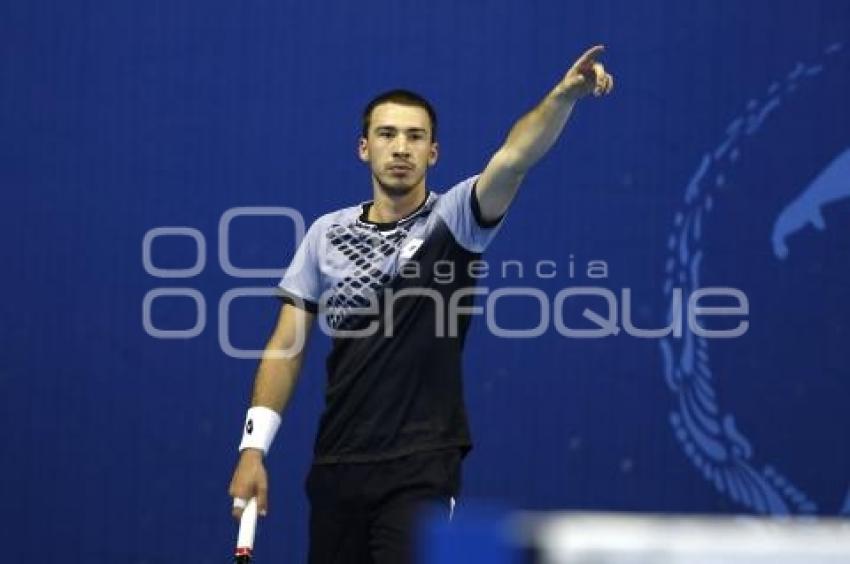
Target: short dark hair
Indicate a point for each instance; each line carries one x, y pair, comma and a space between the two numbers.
400, 96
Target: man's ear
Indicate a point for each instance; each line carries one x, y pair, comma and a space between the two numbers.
434, 154
363, 150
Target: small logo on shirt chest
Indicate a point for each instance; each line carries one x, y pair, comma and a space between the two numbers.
411, 247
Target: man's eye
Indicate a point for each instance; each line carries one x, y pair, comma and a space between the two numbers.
384, 134
417, 136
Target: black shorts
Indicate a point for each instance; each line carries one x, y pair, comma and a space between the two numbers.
366, 512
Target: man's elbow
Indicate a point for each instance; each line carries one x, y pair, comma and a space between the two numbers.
289, 339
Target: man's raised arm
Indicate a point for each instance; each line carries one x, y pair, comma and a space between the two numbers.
535, 133
273, 386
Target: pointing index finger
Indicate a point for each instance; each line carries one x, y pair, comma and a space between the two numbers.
589, 57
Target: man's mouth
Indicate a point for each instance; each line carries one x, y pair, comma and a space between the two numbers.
399, 169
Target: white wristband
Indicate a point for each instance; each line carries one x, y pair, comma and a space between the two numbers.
261, 425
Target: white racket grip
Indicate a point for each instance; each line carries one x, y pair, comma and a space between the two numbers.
247, 526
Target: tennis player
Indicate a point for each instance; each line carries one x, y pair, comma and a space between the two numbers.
394, 429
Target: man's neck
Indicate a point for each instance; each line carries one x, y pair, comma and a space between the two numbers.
388, 208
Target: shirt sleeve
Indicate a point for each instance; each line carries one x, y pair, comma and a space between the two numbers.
462, 214
301, 283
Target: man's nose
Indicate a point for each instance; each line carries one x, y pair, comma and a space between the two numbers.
400, 147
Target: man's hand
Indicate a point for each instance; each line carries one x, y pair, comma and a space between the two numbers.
586, 76
249, 480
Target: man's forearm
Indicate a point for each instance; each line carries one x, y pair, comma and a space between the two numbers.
275, 381
273, 386
535, 133
280, 366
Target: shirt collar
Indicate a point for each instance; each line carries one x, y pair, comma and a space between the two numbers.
422, 208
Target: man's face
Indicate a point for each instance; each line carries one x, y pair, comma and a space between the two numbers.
399, 148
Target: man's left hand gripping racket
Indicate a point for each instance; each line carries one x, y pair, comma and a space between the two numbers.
247, 528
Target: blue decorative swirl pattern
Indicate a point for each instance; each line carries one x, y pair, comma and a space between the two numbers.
709, 437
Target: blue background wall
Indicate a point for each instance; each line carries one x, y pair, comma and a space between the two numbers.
118, 117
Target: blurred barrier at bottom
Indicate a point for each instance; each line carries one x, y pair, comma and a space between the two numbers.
493, 535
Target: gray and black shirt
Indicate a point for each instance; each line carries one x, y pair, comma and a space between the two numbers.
384, 291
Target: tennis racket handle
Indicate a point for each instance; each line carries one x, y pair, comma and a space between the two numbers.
247, 528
